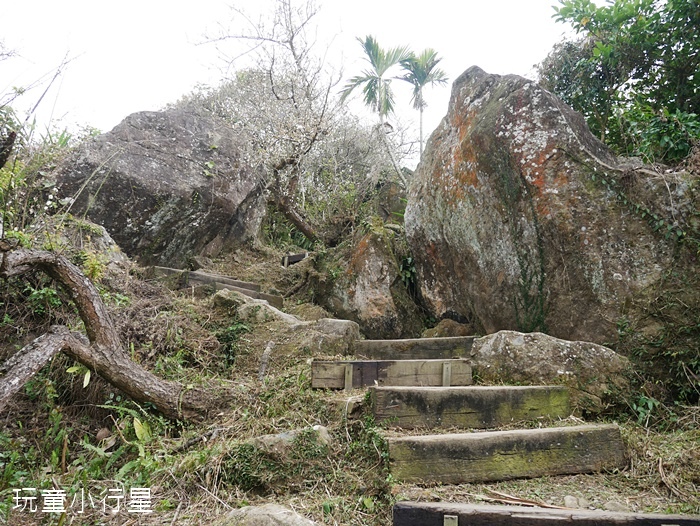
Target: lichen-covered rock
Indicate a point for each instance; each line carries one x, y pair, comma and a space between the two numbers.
168, 186
520, 219
596, 376
325, 336
79, 239
448, 328
368, 288
281, 444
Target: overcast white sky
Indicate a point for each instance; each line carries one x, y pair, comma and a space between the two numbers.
134, 55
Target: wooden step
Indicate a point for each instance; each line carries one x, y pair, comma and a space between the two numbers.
342, 374
186, 278
447, 514
197, 277
467, 407
415, 349
291, 259
504, 455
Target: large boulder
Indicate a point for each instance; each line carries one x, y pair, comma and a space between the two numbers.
520, 219
595, 375
369, 283
168, 186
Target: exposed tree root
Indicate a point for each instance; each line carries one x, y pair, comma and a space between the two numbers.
103, 353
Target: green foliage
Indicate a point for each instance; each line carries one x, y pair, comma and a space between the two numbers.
92, 264
26, 190
375, 84
252, 468
43, 300
421, 71
661, 135
229, 338
644, 407
279, 232
80, 369
665, 342
635, 67
17, 461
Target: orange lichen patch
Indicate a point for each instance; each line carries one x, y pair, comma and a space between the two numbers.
544, 174
458, 172
359, 255
462, 122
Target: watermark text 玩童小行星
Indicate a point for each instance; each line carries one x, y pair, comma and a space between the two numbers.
110, 501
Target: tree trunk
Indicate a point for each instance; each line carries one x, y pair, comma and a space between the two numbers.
420, 128
283, 205
26, 363
382, 136
6, 145
104, 354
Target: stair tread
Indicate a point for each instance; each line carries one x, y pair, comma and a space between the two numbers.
416, 348
339, 374
487, 456
433, 513
467, 406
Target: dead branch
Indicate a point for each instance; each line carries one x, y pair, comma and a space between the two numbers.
27, 362
103, 353
664, 478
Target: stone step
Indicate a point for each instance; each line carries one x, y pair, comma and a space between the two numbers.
448, 514
349, 374
415, 349
467, 407
503, 455
275, 301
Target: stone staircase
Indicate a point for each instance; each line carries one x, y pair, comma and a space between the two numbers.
426, 384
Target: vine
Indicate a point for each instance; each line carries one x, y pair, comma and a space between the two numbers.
681, 232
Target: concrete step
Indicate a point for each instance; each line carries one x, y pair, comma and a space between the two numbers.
349, 374
415, 349
504, 455
467, 407
448, 514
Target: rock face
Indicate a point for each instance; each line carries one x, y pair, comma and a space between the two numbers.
520, 219
167, 186
595, 375
368, 289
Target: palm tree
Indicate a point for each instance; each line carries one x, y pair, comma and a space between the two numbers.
421, 71
377, 86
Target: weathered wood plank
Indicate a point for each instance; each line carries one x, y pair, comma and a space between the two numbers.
187, 278
198, 277
290, 259
331, 374
209, 277
433, 514
468, 407
415, 349
504, 455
